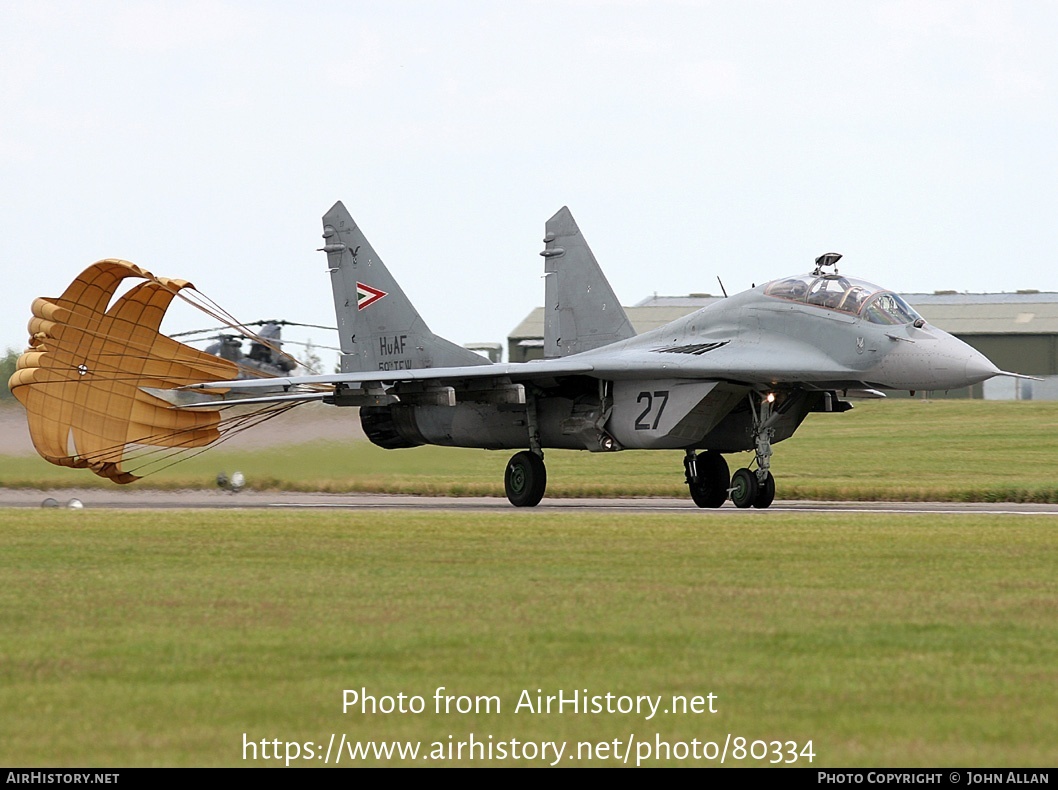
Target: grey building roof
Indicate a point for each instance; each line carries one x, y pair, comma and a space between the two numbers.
990, 314
642, 318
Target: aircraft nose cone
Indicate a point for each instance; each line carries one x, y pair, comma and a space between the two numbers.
979, 367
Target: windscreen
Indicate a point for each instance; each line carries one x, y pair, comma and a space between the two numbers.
845, 294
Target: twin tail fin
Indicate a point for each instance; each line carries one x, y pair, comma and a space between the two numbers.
581, 311
379, 327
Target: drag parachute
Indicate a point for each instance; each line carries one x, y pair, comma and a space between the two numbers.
85, 378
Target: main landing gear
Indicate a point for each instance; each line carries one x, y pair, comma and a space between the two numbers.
525, 479
526, 476
707, 477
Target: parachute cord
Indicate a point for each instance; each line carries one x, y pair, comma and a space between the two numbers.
151, 455
241, 423
244, 422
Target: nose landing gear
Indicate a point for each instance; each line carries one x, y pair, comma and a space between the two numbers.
747, 490
757, 489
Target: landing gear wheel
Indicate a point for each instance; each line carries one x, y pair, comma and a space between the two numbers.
525, 479
710, 488
744, 488
765, 492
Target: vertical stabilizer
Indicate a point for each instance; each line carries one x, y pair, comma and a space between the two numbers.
379, 328
580, 309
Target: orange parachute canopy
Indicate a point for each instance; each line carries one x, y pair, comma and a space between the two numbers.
82, 380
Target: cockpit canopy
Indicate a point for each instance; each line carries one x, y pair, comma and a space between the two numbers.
849, 295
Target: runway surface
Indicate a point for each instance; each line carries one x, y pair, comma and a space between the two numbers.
145, 499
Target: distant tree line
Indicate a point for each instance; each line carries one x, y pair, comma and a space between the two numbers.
7, 367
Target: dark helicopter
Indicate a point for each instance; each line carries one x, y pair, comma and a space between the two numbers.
266, 357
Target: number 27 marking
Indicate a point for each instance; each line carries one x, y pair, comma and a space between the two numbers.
660, 395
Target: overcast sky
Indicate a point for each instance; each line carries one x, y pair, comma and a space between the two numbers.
205, 140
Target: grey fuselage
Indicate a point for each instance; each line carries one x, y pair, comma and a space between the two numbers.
685, 385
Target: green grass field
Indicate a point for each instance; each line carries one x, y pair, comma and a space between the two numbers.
161, 638
956, 450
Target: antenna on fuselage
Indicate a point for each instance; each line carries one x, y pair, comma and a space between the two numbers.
723, 290
827, 259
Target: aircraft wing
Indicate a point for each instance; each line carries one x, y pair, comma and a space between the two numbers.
722, 361
517, 371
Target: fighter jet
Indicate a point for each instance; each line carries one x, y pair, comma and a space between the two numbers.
739, 375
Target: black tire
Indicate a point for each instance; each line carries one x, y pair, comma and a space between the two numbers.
744, 488
525, 479
710, 489
765, 492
